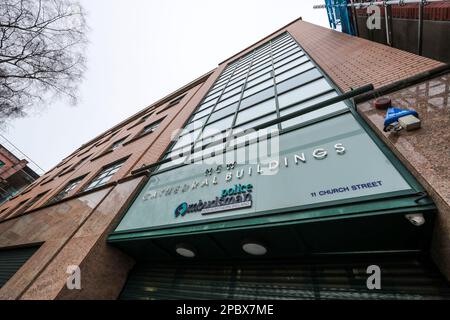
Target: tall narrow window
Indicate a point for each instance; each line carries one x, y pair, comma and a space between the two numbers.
150, 128
141, 120
67, 189
86, 151
105, 175
77, 165
116, 144
175, 101
3, 210
172, 103
30, 203
144, 118
17, 207
63, 171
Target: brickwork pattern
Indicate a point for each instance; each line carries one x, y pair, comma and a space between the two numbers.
91, 158
352, 62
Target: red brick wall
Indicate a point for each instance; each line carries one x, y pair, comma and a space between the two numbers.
352, 62
144, 150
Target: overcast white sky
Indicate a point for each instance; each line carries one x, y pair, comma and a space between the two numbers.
142, 50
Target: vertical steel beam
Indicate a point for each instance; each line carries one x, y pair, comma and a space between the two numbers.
355, 19
420, 29
388, 21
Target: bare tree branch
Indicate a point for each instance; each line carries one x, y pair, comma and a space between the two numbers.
42, 53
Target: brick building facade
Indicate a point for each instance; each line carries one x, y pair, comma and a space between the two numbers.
66, 216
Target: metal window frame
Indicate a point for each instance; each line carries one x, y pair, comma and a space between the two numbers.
94, 182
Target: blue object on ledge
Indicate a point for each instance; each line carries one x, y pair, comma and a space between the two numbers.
393, 114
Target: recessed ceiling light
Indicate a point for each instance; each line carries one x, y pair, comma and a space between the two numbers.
185, 250
254, 248
416, 219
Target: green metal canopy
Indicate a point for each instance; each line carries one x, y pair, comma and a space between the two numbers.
373, 221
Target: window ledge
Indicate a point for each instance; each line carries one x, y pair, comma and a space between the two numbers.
102, 154
136, 124
47, 182
137, 138
66, 172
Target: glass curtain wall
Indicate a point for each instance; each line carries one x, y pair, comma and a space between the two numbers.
274, 80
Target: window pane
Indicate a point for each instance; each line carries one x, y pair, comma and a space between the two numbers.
258, 87
239, 78
186, 139
252, 124
207, 151
296, 53
209, 138
219, 125
194, 125
236, 83
283, 66
222, 81
151, 127
231, 93
260, 96
266, 58
245, 59
260, 67
67, 189
185, 150
298, 80
320, 114
233, 86
104, 176
283, 49
282, 42
261, 54
201, 114
287, 52
263, 49
215, 90
227, 102
218, 86
256, 111
260, 73
223, 112
213, 96
251, 136
294, 71
303, 92
240, 69
266, 76
208, 104
308, 103
239, 73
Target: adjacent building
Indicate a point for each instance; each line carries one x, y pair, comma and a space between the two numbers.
268, 177
15, 175
416, 26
